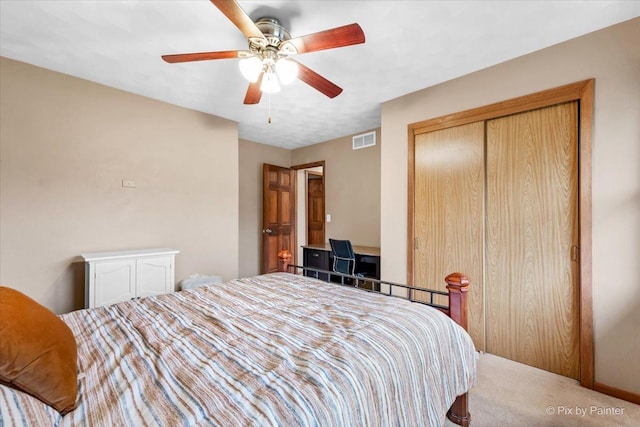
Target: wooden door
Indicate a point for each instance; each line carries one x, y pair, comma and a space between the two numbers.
448, 213
315, 209
531, 282
278, 214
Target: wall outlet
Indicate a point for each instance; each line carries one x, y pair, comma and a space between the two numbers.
128, 183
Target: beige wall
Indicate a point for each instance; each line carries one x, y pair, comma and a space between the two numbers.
612, 57
352, 188
252, 156
66, 144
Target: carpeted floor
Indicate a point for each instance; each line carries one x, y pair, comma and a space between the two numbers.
512, 394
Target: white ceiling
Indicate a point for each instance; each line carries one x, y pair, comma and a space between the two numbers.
409, 45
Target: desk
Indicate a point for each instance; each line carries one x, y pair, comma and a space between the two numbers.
367, 260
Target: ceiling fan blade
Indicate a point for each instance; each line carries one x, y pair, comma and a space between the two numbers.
317, 82
201, 56
240, 19
253, 92
336, 37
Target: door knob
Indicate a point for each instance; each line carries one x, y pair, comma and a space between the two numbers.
267, 231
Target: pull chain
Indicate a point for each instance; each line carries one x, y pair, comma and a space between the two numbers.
269, 118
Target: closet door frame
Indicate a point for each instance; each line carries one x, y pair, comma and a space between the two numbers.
583, 93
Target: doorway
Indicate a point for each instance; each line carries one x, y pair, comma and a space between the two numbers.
310, 205
315, 208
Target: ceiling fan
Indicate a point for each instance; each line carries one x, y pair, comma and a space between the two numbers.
268, 60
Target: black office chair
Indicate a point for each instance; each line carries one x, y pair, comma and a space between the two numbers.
344, 259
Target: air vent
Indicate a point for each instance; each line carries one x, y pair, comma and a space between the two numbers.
365, 140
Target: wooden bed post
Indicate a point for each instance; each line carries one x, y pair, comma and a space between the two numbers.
284, 259
458, 286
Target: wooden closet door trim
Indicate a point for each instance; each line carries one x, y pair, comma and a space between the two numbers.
546, 98
410, 205
585, 142
583, 92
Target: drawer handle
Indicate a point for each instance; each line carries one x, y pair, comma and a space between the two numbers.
315, 255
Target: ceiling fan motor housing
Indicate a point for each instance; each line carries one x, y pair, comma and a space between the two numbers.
274, 37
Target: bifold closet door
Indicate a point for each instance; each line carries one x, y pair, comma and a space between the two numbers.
448, 203
531, 283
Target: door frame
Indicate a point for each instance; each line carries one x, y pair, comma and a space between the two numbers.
309, 165
583, 93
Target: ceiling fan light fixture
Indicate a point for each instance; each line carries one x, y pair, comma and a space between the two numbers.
270, 82
287, 70
250, 68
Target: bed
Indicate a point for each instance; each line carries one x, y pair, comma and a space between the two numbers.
279, 349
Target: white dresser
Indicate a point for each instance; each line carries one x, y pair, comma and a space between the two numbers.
112, 277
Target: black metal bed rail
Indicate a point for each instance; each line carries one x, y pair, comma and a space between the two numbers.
357, 280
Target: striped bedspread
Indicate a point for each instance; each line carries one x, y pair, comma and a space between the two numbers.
273, 350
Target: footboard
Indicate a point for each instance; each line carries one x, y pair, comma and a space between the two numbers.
457, 287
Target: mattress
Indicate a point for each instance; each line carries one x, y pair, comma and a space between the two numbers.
272, 350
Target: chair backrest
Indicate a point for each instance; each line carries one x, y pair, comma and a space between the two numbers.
344, 259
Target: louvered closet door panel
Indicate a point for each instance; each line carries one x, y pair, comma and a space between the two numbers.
531, 282
448, 205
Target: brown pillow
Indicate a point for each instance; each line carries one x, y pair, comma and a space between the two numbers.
38, 351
